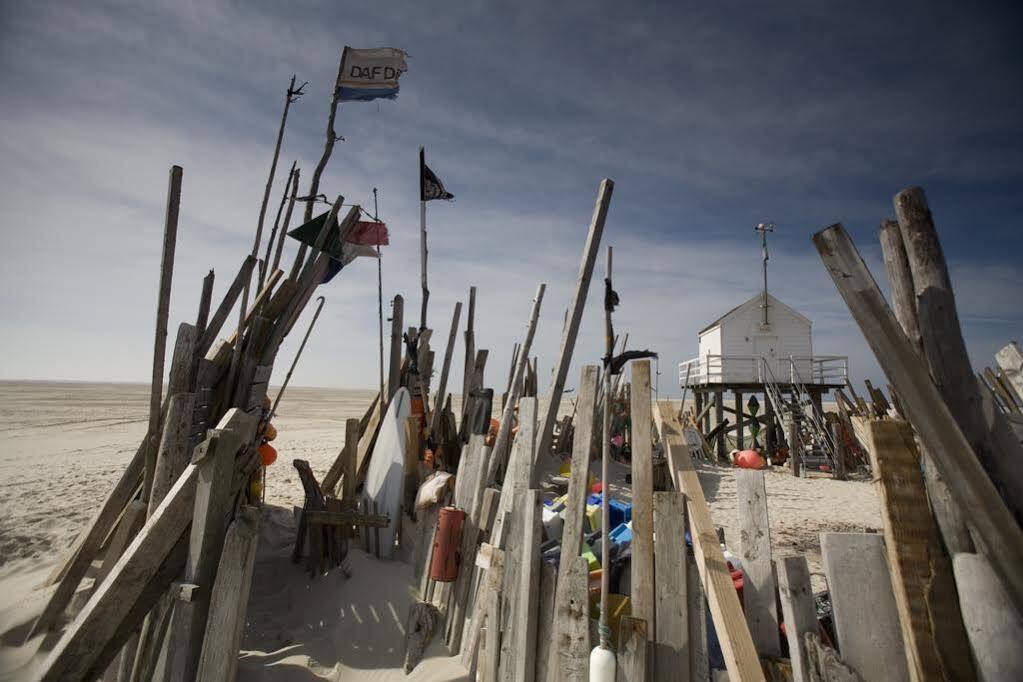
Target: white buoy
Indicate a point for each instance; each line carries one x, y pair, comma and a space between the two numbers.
602, 665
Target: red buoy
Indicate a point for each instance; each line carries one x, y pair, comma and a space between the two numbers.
446, 542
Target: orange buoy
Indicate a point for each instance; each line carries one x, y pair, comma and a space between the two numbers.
268, 454
445, 563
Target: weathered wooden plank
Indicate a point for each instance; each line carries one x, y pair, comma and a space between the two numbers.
174, 447
394, 373
493, 597
575, 508
575, 315
798, 610
758, 589
935, 641
545, 620
470, 535
699, 663
343, 468
570, 650
219, 659
736, 643
632, 650
642, 566
216, 321
993, 625
865, 619
132, 520
993, 526
671, 640
523, 627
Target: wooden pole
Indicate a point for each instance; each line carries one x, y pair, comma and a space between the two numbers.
900, 280
394, 373
328, 149
642, 571
170, 236
442, 387
470, 349
497, 453
758, 592
994, 528
275, 232
287, 219
945, 351
575, 315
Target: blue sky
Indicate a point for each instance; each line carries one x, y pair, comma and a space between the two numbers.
710, 117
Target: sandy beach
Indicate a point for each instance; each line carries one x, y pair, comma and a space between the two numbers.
66, 443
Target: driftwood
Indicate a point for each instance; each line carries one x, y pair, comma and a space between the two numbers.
824, 663
419, 628
798, 610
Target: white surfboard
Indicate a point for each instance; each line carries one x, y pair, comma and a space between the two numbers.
385, 478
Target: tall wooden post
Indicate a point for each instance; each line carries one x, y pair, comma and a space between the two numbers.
170, 236
739, 442
575, 315
442, 387
719, 417
394, 373
795, 447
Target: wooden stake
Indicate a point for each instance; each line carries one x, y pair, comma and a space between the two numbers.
758, 591
470, 348
575, 315
170, 235
994, 528
287, 220
394, 373
264, 265
224, 309
570, 649
671, 648
642, 575
633, 634
798, 610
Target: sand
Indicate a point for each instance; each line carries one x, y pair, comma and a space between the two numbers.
66, 444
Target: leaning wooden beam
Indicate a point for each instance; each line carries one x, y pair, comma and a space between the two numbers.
343, 468
470, 347
758, 591
994, 627
497, 455
945, 351
226, 304
226, 623
545, 621
798, 609
170, 235
994, 528
265, 295
865, 619
78, 649
525, 618
570, 649
932, 625
642, 571
215, 460
575, 316
736, 643
131, 523
172, 457
671, 640
442, 387
575, 509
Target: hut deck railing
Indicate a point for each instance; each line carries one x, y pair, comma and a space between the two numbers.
827, 370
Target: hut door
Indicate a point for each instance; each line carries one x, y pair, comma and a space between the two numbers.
765, 346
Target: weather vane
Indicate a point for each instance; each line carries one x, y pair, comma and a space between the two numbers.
763, 229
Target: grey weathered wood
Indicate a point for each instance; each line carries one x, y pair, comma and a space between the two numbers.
174, 447
570, 649
493, 597
900, 282
758, 589
719, 419
470, 347
945, 351
993, 625
470, 534
498, 453
526, 616
226, 623
633, 634
205, 301
1010, 359
278, 251
798, 610
170, 235
994, 528
824, 663
642, 565
545, 619
442, 387
699, 665
574, 315
671, 639
394, 373
865, 619
836, 437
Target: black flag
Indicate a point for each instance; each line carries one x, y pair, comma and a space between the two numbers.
430, 186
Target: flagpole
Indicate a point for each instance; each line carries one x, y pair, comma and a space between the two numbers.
380, 303
422, 239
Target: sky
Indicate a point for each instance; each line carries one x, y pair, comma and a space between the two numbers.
709, 117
